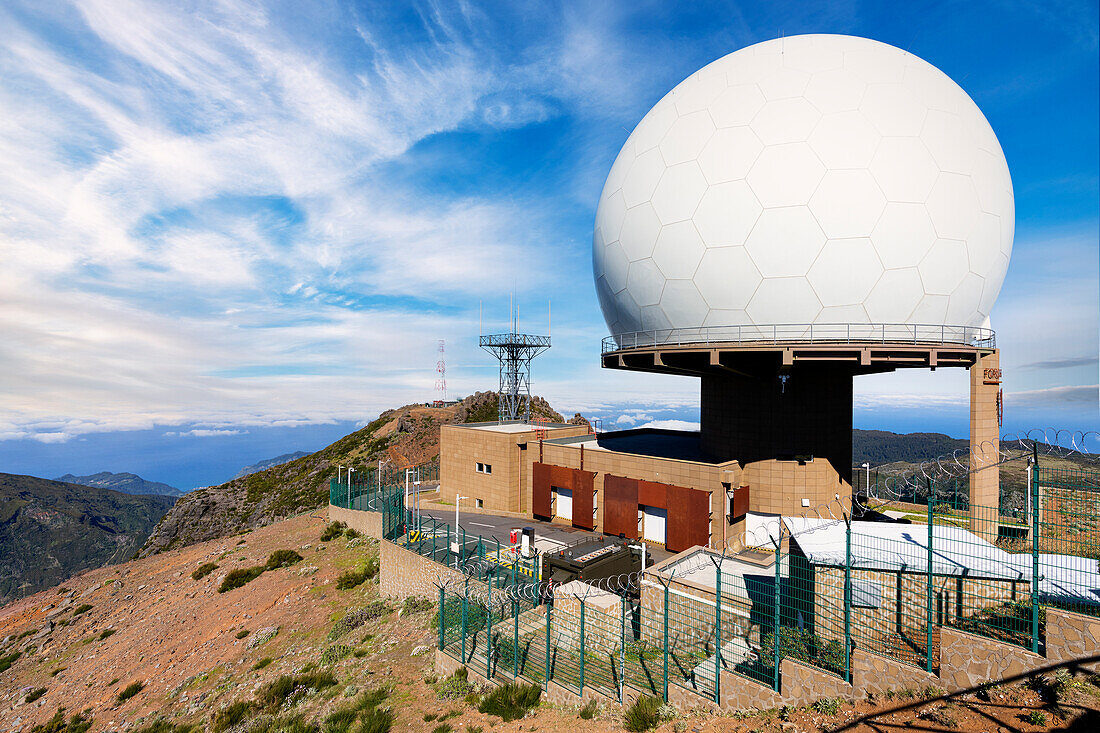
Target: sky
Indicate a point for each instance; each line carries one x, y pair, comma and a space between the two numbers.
231, 230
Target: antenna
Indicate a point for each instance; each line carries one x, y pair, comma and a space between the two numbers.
441, 379
515, 352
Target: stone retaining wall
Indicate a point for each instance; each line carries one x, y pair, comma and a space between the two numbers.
369, 523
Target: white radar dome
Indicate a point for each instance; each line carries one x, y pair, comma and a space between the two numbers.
815, 179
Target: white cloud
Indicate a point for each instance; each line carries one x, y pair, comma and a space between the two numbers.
672, 425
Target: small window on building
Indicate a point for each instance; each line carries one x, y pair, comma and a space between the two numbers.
866, 594
484, 468
479, 503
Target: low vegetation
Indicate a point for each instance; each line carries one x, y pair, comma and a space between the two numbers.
203, 570
332, 531
366, 570
287, 690
262, 663
240, 576
282, 559
416, 604
130, 690
160, 725
57, 724
646, 713
35, 694
588, 712
107, 633
242, 633
82, 608
511, 701
455, 687
9, 659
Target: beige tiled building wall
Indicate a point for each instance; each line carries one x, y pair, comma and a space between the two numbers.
985, 386
505, 486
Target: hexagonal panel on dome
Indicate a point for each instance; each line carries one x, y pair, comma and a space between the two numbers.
682, 302
785, 121
894, 296
781, 83
718, 317
904, 169
784, 300
678, 251
645, 174
892, 110
847, 203
679, 192
951, 142
944, 267
729, 154
649, 132
903, 235
844, 140
931, 309
737, 105
686, 138
609, 216
698, 91
785, 175
645, 282
727, 278
988, 177
726, 214
654, 318
953, 206
843, 314
620, 168
640, 229
963, 306
984, 245
838, 90
785, 242
845, 272
615, 266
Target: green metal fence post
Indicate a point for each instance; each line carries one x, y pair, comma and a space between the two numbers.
928, 597
489, 631
664, 638
622, 647
848, 600
546, 677
776, 641
515, 638
442, 616
1034, 557
581, 688
465, 602
717, 630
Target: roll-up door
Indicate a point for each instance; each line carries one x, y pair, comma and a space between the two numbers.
688, 518
620, 506
540, 490
563, 503
653, 524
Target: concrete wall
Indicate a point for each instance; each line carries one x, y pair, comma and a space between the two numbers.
369, 523
985, 384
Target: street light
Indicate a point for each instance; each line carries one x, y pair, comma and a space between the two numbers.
867, 482
350, 472
416, 483
380, 462
455, 548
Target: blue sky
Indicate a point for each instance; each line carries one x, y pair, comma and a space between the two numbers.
232, 230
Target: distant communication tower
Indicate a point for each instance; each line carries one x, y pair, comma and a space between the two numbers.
515, 352
441, 380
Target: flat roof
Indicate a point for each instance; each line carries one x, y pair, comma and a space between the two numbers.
745, 574
513, 427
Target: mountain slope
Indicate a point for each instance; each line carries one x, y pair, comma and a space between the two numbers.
405, 436
880, 446
50, 530
270, 463
127, 483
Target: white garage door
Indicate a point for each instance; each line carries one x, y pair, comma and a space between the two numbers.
563, 504
653, 524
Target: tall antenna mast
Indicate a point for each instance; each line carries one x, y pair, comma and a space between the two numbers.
515, 352
441, 378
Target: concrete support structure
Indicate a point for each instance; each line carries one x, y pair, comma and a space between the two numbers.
985, 387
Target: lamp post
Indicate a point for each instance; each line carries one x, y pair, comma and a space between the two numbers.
416, 483
350, 472
380, 462
457, 549
867, 483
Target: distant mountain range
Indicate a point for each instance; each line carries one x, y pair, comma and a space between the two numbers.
50, 530
269, 463
880, 446
127, 483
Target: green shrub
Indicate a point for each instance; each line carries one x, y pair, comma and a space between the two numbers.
106, 633
230, 716
334, 654
800, 644
26, 633
644, 714
58, 671
237, 578
443, 728
351, 533
131, 689
35, 694
287, 690
352, 620
364, 571
416, 604
113, 682
282, 559
160, 725
589, 710
8, 660
1036, 717
82, 608
511, 701
242, 633
262, 663
77, 724
203, 570
333, 531
456, 686
827, 705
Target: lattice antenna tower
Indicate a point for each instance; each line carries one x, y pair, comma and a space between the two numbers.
441, 378
515, 351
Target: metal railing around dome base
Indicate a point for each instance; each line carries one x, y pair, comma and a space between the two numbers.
813, 333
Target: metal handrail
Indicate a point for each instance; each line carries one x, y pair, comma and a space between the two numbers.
847, 333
